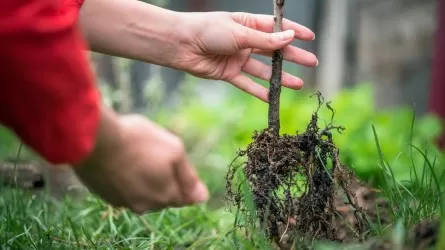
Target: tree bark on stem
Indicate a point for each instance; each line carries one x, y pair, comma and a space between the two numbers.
275, 80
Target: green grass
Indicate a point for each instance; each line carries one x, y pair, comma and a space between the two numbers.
29, 221
35, 221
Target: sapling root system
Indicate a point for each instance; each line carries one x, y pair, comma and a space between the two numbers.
292, 179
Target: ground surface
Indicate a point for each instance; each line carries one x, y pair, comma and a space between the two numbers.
33, 223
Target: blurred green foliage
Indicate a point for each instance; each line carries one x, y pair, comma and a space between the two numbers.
218, 131
214, 133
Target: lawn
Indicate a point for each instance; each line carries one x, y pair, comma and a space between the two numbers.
392, 151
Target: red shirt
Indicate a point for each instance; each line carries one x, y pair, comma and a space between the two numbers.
47, 91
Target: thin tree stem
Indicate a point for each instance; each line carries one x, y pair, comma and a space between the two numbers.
275, 80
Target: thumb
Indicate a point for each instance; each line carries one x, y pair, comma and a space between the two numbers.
251, 38
193, 190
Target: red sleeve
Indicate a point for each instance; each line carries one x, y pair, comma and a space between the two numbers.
47, 92
437, 91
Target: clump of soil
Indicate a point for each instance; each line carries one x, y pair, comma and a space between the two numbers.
294, 180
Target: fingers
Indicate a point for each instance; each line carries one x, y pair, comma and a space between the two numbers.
293, 54
249, 86
262, 71
265, 23
192, 189
250, 38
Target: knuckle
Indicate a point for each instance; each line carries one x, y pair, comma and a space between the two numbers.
241, 37
242, 18
177, 147
269, 39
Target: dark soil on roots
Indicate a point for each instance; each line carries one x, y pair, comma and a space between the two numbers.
294, 181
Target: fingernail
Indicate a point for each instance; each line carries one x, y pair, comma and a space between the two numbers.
200, 193
316, 64
284, 36
313, 38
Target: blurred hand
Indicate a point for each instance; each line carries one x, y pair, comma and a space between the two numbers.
218, 45
141, 166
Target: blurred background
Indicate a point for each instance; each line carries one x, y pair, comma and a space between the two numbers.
375, 66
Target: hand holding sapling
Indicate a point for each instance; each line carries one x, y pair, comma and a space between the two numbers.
223, 53
211, 45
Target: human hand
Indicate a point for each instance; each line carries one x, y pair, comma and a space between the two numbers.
212, 45
140, 166
218, 45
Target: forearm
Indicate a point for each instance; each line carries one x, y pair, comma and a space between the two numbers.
131, 29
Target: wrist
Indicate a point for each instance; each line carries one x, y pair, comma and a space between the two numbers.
154, 34
132, 29
108, 140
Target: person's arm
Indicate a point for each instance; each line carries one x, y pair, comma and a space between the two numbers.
47, 91
131, 29
48, 97
209, 45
